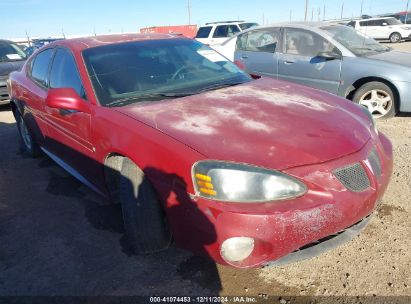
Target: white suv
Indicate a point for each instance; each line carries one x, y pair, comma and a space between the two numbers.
218, 32
383, 28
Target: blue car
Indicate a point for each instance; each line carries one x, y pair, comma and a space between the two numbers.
330, 57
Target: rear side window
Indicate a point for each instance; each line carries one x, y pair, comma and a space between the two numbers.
305, 43
224, 31
264, 40
40, 66
204, 32
64, 73
371, 23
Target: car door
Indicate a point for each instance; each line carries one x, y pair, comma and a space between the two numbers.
379, 29
303, 60
223, 32
256, 52
34, 93
69, 136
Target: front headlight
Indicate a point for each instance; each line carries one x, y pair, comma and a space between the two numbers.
232, 182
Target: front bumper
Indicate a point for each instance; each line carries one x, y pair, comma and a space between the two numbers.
322, 245
281, 228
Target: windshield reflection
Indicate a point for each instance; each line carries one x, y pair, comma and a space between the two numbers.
356, 42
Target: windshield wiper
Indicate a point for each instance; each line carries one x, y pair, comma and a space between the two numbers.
218, 86
144, 97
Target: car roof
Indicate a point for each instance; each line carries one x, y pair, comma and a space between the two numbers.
225, 23
306, 25
376, 18
80, 44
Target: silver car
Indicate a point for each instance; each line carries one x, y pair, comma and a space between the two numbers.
334, 58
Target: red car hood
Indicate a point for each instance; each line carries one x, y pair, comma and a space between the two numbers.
267, 123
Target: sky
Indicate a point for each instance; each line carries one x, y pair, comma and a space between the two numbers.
45, 18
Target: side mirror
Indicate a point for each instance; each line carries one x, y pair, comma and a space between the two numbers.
329, 55
66, 99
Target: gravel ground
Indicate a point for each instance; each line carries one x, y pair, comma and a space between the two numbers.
59, 238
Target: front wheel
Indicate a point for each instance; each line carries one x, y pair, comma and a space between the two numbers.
27, 142
144, 220
378, 98
395, 37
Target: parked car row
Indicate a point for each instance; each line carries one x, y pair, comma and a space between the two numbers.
334, 58
248, 172
12, 58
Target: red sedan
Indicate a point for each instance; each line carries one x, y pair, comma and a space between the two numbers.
248, 172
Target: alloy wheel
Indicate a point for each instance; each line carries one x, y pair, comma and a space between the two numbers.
395, 38
378, 102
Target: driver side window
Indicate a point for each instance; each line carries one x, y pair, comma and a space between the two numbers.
64, 73
307, 44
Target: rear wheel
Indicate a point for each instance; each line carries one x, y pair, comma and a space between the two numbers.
27, 142
378, 98
144, 219
395, 37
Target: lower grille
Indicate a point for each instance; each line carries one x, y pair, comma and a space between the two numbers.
4, 95
375, 163
353, 177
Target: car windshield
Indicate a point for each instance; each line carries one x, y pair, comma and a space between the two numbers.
245, 26
356, 42
11, 52
157, 69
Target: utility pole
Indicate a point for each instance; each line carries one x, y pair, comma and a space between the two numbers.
312, 14
319, 14
28, 39
406, 12
189, 11
306, 10
324, 12
263, 19
342, 10
291, 15
362, 6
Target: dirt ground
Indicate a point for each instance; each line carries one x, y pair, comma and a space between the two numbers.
58, 238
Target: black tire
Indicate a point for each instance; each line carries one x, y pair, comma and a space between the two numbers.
144, 219
395, 37
27, 142
378, 107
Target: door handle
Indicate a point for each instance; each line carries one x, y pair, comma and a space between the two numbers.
244, 57
289, 62
65, 112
